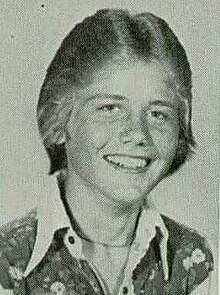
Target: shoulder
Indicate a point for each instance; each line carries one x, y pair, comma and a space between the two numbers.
17, 240
189, 255
185, 239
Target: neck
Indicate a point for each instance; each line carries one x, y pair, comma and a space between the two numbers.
99, 217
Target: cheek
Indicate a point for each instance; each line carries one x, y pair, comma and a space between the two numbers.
166, 141
93, 136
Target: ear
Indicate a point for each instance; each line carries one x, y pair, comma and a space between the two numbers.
58, 158
67, 136
61, 139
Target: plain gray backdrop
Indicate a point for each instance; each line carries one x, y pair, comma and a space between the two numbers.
32, 32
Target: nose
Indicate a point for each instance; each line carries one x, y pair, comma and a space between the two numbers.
136, 134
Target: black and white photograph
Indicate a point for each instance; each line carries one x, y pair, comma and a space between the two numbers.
109, 147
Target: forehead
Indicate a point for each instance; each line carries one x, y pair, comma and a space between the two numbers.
134, 80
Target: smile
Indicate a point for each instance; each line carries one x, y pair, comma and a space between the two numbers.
129, 163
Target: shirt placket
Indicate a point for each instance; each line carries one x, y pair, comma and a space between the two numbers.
75, 248
138, 249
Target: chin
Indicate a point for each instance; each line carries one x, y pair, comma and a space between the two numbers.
127, 193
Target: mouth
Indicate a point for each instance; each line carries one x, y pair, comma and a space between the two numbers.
131, 164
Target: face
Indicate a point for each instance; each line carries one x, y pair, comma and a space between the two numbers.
123, 131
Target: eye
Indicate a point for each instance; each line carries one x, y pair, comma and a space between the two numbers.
158, 115
109, 111
109, 108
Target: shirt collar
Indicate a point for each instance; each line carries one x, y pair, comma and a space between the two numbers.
48, 224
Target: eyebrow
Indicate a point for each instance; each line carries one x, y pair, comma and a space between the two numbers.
105, 95
162, 103
122, 98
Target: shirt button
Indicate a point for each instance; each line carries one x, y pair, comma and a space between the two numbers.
71, 240
125, 290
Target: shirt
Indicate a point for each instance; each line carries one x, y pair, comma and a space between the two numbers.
41, 254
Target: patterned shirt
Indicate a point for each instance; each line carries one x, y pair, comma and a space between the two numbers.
39, 255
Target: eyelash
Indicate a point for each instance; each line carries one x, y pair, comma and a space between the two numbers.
108, 107
158, 115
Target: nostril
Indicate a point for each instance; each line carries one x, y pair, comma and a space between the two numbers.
126, 140
137, 139
141, 143
135, 135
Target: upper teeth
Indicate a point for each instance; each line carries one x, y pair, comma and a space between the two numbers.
125, 161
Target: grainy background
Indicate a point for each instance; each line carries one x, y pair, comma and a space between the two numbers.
32, 32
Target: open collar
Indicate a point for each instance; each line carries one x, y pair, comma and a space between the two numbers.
48, 224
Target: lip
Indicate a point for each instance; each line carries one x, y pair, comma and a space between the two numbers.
129, 169
129, 155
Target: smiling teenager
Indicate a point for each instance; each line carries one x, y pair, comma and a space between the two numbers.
115, 117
